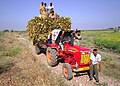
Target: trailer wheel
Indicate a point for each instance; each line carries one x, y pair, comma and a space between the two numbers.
67, 71
34, 41
52, 57
37, 49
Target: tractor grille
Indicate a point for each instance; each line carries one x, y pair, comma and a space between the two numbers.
85, 58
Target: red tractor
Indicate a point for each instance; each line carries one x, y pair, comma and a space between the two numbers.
74, 58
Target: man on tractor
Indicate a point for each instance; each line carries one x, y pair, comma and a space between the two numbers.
42, 7
77, 38
56, 36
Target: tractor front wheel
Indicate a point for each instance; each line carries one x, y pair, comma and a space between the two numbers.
67, 71
52, 57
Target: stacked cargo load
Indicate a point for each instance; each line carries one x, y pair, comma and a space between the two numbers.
40, 26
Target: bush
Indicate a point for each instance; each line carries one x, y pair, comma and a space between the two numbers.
12, 30
6, 31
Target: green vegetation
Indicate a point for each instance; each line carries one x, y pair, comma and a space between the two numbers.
8, 48
4, 64
1, 37
27, 69
111, 42
89, 36
104, 40
12, 52
6, 31
110, 66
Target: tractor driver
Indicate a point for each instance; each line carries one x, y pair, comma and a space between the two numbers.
53, 37
55, 34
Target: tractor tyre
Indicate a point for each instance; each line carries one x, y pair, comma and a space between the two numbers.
37, 49
52, 59
67, 71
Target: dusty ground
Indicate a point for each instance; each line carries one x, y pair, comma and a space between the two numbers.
30, 70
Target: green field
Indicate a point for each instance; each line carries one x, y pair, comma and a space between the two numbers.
110, 41
104, 40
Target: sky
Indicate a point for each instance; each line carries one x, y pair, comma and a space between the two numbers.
84, 14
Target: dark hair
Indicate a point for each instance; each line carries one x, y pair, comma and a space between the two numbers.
94, 49
51, 4
52, 12
42, 3
45, 4
78, 31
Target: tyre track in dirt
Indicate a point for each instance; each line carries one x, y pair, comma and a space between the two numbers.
82, 80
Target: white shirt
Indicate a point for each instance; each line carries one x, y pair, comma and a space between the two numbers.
50, 7
95, 59
52, 16
55, 34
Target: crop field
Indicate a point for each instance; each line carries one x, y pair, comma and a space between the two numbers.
109, 41
106, 39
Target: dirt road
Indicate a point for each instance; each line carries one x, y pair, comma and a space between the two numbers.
33, 61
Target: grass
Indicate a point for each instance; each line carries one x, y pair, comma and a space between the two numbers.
110, 41
12, 51
110, 67
27, 69
89, 36
8, 48
1, 36
4, 64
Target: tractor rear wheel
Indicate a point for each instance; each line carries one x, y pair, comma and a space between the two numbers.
37, 49
67, 71
52, 57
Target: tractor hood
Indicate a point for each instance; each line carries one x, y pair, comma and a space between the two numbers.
81, 48
78, 49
